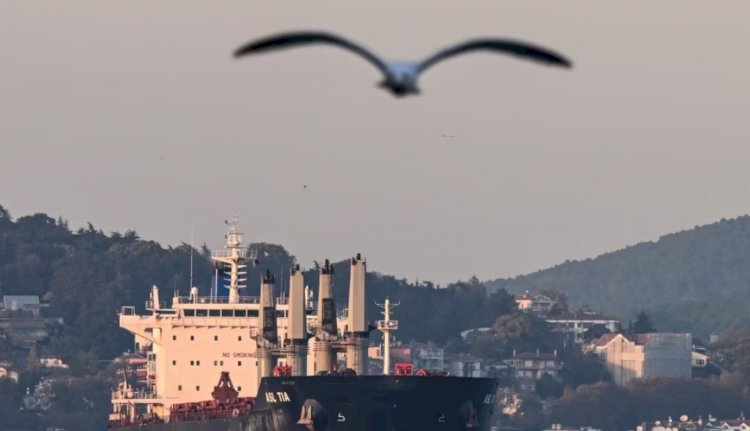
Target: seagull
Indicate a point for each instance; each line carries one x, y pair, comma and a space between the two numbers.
400, 78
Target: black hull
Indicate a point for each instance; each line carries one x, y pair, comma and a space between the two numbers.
233, 424
359, 403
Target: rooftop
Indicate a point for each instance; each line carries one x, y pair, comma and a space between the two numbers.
639, 339
12, 302
536, 355
580, 315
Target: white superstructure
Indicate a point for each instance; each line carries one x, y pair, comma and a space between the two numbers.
189, 343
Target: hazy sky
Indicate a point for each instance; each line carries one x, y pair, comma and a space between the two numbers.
133, 115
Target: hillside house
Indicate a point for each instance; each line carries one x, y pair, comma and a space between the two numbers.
645, 355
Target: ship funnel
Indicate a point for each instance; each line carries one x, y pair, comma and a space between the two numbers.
297, 323
356, 317
268, 334
326, 304
357, 333
326, 330
297, 320
268, 308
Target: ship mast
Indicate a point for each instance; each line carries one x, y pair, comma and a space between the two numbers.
234, 256
386, 326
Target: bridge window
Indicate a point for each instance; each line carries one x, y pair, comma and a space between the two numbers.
240, 313
189, 313
201, 313
214, 313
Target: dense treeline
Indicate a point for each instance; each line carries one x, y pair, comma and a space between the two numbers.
604, 405
87, 275
588, 398
687, 279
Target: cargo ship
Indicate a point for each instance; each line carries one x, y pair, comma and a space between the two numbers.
298, 364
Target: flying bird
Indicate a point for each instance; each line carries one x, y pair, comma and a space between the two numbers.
398, 77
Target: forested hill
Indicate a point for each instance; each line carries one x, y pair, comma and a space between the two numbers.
695, 280
87, 275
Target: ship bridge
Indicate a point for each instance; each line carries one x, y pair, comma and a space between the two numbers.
187, 344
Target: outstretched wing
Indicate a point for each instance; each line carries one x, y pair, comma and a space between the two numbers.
289, 40
519, 49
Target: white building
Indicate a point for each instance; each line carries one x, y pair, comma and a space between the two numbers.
578, 323
529, 367
463, 365
534, 303
645, 355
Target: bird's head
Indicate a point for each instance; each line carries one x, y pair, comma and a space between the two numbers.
401, 79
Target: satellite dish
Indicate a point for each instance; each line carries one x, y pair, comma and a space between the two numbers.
683, 418
657, 423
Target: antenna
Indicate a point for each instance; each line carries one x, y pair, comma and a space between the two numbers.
192, 238
386, 326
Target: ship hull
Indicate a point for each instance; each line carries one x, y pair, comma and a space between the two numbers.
230, 424
359, 403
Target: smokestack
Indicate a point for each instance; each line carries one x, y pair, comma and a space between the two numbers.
324, 354
297, 323
269, 335
268, 307
326, 305
297, 319
356, 318
356, 350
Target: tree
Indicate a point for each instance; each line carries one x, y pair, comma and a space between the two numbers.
4, 214
548, 387
642, 324
530, 415
524, 332
674, 396
559, 301
602, 405
584, 369
456, 345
